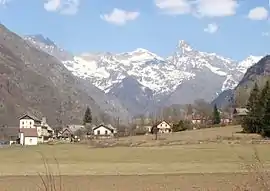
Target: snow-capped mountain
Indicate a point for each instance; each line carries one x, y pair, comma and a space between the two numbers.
186, 75
247, 63
47, 45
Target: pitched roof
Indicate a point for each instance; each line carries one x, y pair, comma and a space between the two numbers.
240, 111
29, 132
109, 127
74, 128
159, 122
66, 129
30, 116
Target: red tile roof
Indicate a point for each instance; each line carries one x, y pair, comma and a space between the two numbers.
29, 132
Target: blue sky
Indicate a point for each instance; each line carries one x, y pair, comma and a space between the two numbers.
230, 28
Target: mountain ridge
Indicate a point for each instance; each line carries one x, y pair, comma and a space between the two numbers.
34, 81
177, 79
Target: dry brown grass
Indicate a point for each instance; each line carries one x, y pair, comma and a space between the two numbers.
210, 165
228, 134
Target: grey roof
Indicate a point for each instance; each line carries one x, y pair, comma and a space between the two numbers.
74, 128
240, 111
31, 116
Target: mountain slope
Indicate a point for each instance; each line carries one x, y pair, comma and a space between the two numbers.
259, 72
109, 103
133, 95
33, 81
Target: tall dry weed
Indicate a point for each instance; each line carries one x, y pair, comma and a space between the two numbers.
50, 181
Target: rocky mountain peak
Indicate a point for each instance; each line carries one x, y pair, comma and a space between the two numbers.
141, 54
41, 39
248, 62
183, 47
179, 79
47, 45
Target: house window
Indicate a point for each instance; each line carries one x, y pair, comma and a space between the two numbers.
23, 123
30, 123
98, 132
106, 132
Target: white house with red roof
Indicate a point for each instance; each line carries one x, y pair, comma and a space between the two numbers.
28, 130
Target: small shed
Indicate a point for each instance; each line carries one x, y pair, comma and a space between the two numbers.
239, 114
240, 111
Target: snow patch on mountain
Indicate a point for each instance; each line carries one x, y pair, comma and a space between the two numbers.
161, 75
248, 62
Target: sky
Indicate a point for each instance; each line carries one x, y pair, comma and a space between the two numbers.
234, 29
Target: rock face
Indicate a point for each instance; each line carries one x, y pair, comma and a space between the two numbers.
36, 82
186, 75
259, 72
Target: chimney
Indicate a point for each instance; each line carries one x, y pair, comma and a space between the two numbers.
43, 121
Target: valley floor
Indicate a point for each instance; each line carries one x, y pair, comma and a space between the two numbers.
208, 164
168, 182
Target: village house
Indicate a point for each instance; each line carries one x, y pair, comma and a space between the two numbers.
198, 119
45, 132
33, 130
104, 130
66, 133
28, 130
70, 131
163, 127
239, 114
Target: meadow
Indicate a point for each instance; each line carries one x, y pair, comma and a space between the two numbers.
209, 159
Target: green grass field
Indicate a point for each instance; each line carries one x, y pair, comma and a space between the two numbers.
198, 154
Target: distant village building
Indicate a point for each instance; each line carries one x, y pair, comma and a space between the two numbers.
104, 130
33, 130
198, 119
240, 112
45, 132
225, 118
28, 130
163, 127
66, 133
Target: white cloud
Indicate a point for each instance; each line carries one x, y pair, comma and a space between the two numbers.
211, 28
4, 2
216, 8
258, 13
267, 34
67, 7
203, 8
120, 17
174, 6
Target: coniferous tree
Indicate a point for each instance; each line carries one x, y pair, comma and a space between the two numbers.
216, 115
251, 122
87, 116
265, 104
262, 103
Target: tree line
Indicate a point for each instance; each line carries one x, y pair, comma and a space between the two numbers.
257, 119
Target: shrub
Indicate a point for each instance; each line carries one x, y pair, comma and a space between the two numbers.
182, 125
140, 131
